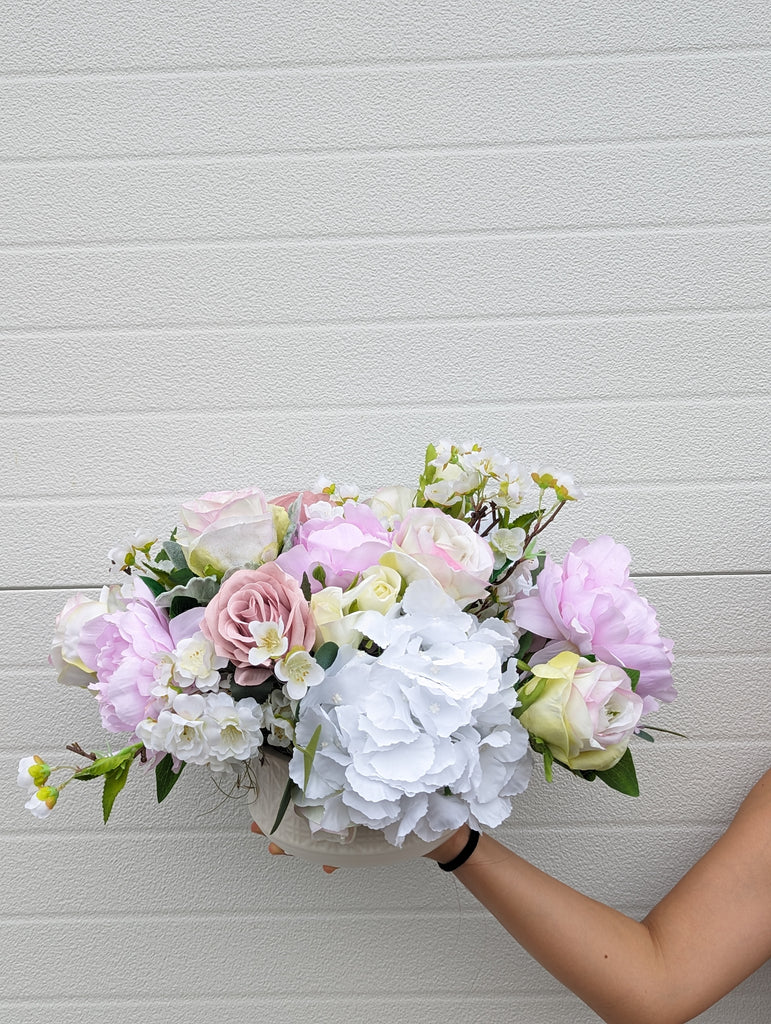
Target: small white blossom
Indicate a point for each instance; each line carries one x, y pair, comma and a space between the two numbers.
42, 801
278, 719
27, 766
270, 641
298, 671
196, 663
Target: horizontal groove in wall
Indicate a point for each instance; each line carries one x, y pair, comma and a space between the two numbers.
240, 157
343, 67
170, 414
270, 325
290, 241
308, 327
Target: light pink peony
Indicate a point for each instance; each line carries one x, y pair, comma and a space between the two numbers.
589, 605
121, 648
308, 498
266, 594
431, 543
344, 547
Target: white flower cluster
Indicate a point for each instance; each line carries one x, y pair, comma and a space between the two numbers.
462, 470
206, 728
420, 739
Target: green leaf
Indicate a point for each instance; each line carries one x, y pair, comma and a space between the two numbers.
165, 777
200, 589
305, 586
320, 574
644, 735
114, 781
286, 797
669, 732
525, 643
622, 776
181, 604
103, 765
309, 753
175, 554
634, 675
327, 653
525, 520
156, 588
526, 699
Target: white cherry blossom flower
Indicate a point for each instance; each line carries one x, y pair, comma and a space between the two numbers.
298, 671
270, 641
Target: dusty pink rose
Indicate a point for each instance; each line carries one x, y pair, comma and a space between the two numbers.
308, 498
429, 542
343, 546
589, 605
266, 594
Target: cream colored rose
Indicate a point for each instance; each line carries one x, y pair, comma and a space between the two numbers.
391, 504
336, 612
586, 712
225, 530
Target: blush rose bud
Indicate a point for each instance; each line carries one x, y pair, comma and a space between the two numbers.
585, 713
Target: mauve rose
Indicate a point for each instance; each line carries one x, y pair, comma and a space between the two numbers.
224, 530
266, 594
431, 543
589, 605
344, 547
308, 498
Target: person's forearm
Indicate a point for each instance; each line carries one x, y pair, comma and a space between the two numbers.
610, 961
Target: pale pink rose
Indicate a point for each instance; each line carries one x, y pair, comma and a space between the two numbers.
121, 647
589, 605
308, 498
344, 547
586, 712
266, 594
224, 530
429, 542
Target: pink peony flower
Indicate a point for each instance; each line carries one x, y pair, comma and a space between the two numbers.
121, 647
343, 546
589, 605
431, 543
266, 594
308, 498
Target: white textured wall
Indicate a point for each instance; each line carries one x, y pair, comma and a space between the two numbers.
244, 243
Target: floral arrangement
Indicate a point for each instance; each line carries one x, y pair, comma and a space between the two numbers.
407, 652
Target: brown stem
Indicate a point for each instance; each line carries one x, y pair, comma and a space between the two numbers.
77, 749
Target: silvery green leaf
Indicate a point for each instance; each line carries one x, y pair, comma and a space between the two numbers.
200, 589
294, 521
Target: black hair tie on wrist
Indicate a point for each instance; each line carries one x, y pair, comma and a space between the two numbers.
465, 853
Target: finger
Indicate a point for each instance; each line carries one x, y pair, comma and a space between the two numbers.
275, 850
328, 868
256, 829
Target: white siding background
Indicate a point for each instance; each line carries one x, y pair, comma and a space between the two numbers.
245, 243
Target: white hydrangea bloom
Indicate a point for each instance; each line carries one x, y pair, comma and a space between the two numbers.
431, 715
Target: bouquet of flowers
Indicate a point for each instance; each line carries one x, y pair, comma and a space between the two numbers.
407, 652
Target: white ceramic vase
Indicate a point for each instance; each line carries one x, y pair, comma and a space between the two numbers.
364, 847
